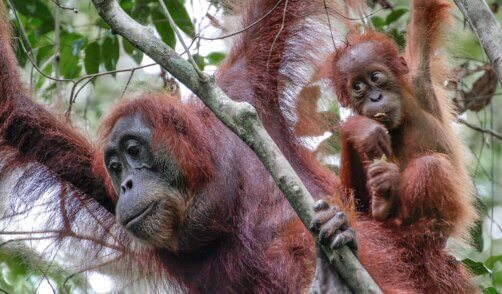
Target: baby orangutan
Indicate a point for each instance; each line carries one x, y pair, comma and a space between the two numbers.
400, 155
401, 158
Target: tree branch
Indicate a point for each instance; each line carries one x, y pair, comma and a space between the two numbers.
480, 129
57, 59
243, 120
487, 29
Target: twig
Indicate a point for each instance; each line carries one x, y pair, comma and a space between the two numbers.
180, 38
87, 269
29, 232
74, 9
244, 29
44, 273
487, 29
93, 76
90, 80
363, 17
127, 83
24, 38
26, 239
57, 59
329, 24
480, 129
278, 33
29, 53
31, 59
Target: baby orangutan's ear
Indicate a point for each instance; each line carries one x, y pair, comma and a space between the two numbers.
402, 66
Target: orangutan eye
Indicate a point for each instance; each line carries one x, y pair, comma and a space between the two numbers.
377, 77
358, 87
133, 150
115, 167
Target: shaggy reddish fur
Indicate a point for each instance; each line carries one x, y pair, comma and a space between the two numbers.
256, 243
385, 50
434, 197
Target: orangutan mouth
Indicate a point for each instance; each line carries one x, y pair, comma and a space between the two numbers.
380, 115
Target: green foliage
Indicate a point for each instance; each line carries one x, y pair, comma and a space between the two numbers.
92, 57
395, 15
215, 58
38, 13
82, 54
200, 61
71, 45
477, 268
180, 16
110, 52
490, 290
19, 274
135, 53
390, 25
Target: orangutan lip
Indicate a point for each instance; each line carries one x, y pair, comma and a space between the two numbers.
133, 220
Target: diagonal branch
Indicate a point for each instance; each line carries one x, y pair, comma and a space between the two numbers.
487, 29
243, 120
480, 129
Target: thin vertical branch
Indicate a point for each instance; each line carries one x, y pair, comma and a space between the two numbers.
127, 83
278, 33
57, 59
487, 29
180, 38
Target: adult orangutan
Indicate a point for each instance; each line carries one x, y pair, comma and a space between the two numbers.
172, 176
422, 190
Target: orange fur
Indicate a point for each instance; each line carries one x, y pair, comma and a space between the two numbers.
435, 199
248, 237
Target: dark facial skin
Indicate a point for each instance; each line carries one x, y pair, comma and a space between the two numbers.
148, 187
375, 93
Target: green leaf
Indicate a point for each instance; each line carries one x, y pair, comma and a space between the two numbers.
92, 58
399, 37
69, 66
490, 290
132, 51
142, 10
492, 260
77, 46
163, 28
497, 278
200, 61
100, 23
395, 15
43, 53
48, 70
378, 22
180, 16
36, 9
476, 267
215, 58
71, 39
70, 54
110, 52
69, 62
127, 5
